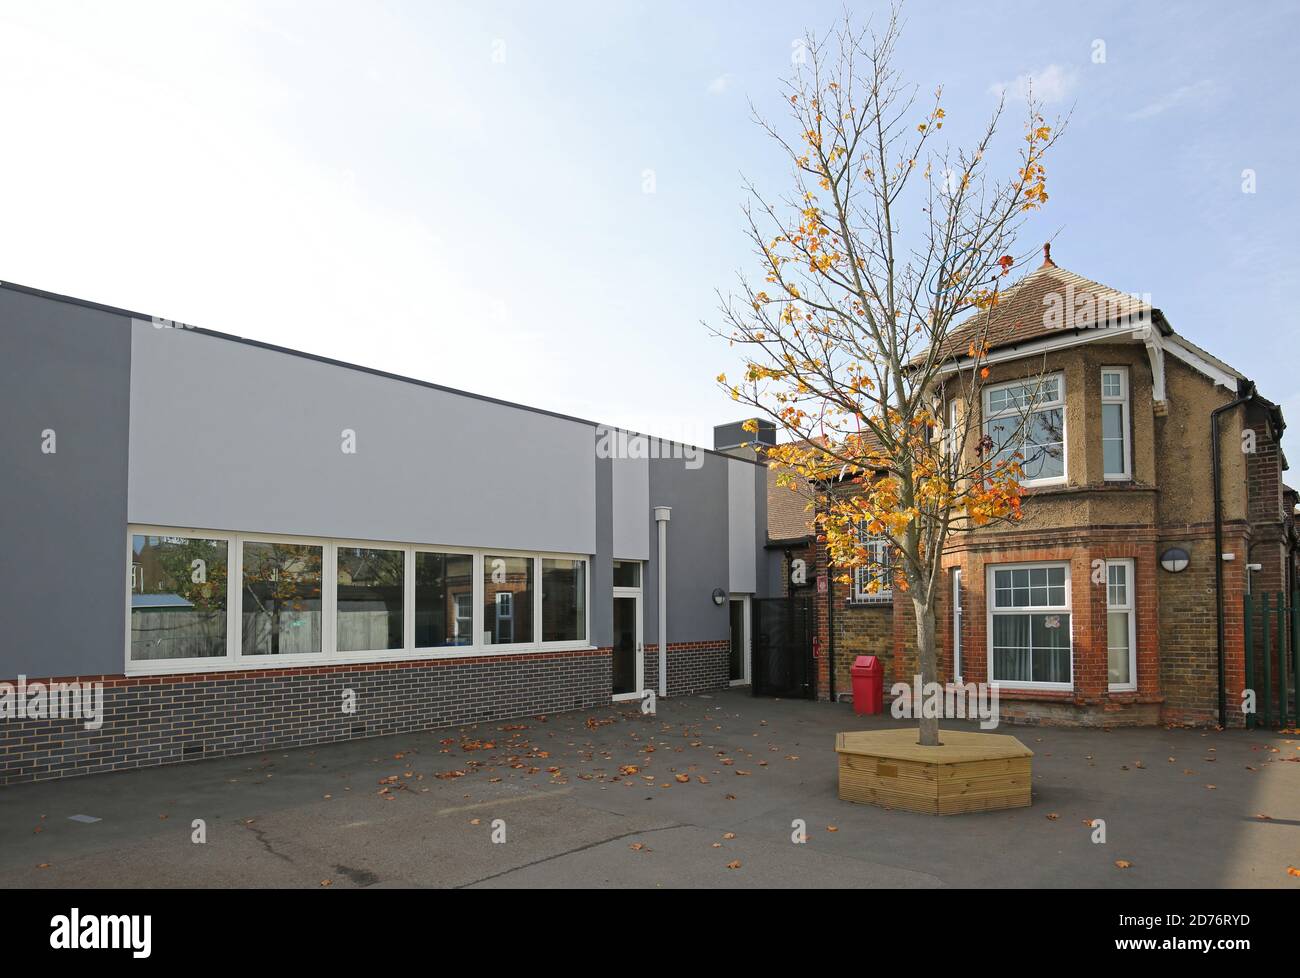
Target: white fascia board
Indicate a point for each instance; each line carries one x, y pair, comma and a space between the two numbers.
1140, 330
1134, 332
1213, 368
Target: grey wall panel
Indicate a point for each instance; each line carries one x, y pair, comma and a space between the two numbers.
232, 436
63, 576
742, 558
602, 565
697, 548
767, 578
631, 506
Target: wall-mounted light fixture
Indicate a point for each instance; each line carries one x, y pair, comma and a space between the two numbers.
719, 596
1174, 559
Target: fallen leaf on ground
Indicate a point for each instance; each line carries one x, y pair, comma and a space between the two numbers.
1122, 863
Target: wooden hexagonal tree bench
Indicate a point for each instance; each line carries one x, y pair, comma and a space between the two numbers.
967, 772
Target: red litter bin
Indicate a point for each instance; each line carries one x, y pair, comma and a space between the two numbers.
868, 684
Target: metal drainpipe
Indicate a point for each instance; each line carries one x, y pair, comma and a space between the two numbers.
662, 515
1245, 391
830, 622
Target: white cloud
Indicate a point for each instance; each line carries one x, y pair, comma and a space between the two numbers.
1053, 83
721, 84
1198, 93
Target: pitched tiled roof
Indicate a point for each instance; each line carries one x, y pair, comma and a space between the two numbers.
788, 517
1046, 302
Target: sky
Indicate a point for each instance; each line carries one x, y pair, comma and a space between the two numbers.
539, 202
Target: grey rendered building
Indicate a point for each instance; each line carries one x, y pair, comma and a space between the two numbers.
252, 548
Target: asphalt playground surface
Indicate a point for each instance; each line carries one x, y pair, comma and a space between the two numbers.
708, 793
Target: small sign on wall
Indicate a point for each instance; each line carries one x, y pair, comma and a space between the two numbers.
821, 583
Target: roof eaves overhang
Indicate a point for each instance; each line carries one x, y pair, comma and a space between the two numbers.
1135, 328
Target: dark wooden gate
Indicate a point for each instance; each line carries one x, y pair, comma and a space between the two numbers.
783, 648
1273, 658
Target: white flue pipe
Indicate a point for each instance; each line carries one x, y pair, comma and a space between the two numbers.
662, 515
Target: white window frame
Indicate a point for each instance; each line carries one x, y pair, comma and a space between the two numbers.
198, 664
956, 624
1123, 400
626, 591
476, 612
1022, 413
1130, 608
479, 591
408, 592
878, 545
992, 610
235, 660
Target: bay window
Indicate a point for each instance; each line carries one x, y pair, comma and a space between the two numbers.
1121, 626
1115, 448
1029, 625
1025, 421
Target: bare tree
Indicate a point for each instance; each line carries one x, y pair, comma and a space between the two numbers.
880, 272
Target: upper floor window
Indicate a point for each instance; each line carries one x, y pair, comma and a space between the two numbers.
1025, 421
874, 581
1115, 449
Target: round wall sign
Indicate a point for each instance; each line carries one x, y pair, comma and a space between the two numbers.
1174, 559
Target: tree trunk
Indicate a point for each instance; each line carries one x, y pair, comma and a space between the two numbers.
928, 659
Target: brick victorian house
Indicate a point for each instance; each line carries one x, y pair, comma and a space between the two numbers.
1099, 607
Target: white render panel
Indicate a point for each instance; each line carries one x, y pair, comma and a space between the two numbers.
741, 540
226, 435
631, 509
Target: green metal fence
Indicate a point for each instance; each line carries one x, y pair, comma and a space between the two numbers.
1272, 625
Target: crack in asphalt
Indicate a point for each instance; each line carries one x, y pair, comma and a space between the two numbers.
570, 852
261, 837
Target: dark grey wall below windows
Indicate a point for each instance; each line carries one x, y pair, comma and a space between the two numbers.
66, 368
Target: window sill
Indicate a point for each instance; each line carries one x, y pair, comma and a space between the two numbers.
1037, 692
873, 601
250, 663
